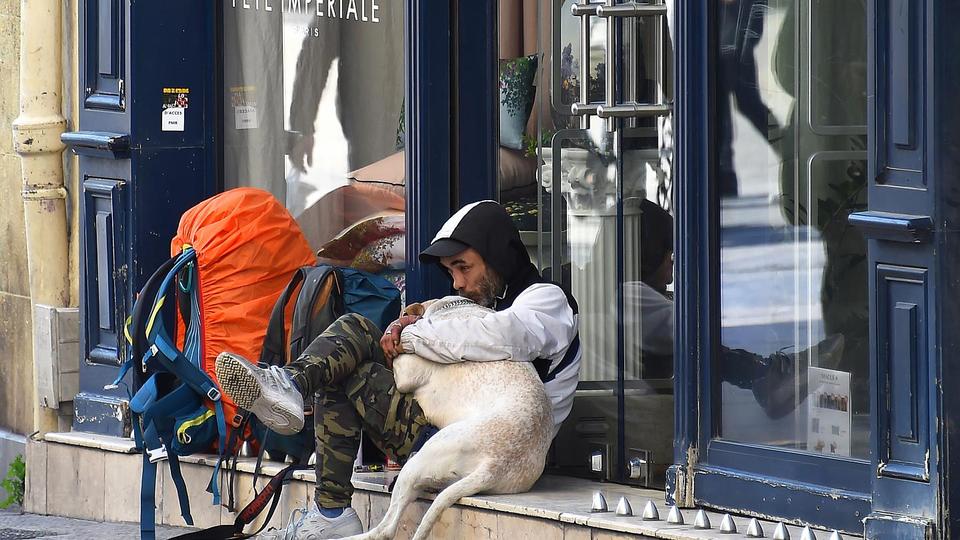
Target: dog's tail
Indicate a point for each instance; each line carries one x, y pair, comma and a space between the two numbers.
471, 484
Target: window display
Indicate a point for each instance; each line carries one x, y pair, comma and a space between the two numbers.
791, 167
313, 95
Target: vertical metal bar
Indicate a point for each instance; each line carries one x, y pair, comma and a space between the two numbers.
659, 69
617, 144
584, 64
611, 65
631, 43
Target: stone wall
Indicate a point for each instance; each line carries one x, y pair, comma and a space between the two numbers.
16, 326
16, 350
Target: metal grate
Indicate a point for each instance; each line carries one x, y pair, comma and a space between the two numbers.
23, 534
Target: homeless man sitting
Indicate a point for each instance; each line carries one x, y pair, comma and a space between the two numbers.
348, 365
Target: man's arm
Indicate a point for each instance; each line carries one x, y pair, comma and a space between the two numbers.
539, 324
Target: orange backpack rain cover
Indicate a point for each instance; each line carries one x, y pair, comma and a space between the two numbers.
247, 246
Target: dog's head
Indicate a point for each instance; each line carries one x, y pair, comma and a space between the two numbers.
455, 307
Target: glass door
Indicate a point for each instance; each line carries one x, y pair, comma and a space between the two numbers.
791, 114
789, 387
595, 211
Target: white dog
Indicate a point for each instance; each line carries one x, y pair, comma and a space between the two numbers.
495, 428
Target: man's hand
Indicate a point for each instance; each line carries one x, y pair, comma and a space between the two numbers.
390, 342
302, 152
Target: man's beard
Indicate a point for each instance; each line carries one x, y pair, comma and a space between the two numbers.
488, 290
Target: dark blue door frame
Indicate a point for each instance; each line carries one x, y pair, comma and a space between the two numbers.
903, 491
135, 178
452, 84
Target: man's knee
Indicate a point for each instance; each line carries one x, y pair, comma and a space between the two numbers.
354, 325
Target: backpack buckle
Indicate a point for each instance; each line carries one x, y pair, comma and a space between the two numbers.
158, 454
151, 352
213, 394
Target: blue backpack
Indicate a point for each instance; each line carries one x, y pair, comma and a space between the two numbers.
172, 416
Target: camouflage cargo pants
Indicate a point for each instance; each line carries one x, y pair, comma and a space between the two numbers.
346, 369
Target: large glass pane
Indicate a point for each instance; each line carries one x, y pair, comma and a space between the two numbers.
596, 215
791, 166
313, 112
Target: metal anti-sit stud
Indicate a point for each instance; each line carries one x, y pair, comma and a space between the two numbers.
702, 521
807, 534
727, 526
599, 503
624, 508
650, 512
754, 529
836, 535
781, 532
675, 516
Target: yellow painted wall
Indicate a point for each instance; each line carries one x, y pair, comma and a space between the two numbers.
16, 331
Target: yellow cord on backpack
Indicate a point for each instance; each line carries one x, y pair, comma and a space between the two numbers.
153, 314
182, 434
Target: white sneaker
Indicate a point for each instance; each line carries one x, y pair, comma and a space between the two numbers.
268, 393
312, 525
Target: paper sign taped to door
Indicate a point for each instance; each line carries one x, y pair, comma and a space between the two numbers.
828, 411
173, 119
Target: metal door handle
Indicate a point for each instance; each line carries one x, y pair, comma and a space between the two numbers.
610, 110
628, 110
633, 9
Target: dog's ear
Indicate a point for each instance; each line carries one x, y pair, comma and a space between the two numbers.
417, 309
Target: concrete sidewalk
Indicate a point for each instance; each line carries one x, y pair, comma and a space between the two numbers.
16, 526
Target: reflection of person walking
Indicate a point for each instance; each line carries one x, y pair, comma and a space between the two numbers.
741, 26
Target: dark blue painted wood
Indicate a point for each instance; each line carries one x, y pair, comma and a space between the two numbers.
944, 166
98, 144
889, 526
104, 53
907, 303
104, 242
899, 127
788, 465
802, 503
150, 176
427, 38
903, 37
477, 102
902, 361
893, 227
694, 215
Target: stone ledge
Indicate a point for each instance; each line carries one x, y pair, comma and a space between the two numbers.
560, 505
92, 440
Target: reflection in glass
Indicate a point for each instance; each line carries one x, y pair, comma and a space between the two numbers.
314, 114
595, 221
791, 108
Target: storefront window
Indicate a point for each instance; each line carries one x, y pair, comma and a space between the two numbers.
593, 201
791, 167
313, 112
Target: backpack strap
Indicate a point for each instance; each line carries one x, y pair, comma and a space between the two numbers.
156, 417
274, 351
270, 493
137, 320
543, 367
151, 342
274, 348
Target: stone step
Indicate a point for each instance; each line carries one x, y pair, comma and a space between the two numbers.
98, 478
